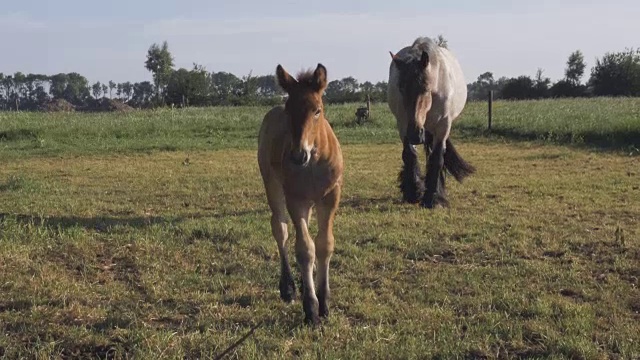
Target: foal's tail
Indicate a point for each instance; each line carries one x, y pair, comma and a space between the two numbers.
455, 164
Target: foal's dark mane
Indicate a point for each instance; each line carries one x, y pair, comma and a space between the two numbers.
306, 78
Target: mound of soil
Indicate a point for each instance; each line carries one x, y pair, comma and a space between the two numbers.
57, 105
106, 104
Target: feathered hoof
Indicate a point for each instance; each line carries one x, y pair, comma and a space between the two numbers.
313, 321
434, 201
411, 189
287, 290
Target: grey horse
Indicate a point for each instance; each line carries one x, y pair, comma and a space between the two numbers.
427, 92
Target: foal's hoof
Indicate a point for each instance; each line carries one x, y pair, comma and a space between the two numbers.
287, 291
324, 311
313, 320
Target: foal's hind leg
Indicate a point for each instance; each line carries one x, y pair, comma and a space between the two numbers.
279, 229
410, 177
324, 246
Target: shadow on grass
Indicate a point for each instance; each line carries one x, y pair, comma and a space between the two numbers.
26, 304
368, 204
617, 141
100, 223
18, 134
109, 223
105, 223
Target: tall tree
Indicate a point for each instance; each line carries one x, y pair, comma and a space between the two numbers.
112, 86
380, 91
160, 63
39, 94
249, 89
142, 93
19, 88
267, 85
570, 86
58, 85
105, 89
3, 98
188, 87
366, 87
224, 85
542, 84
479, 89
30, 87
77, 89
127, 90
575, 67
96, 89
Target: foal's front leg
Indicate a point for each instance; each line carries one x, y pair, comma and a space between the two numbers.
305, 256
410, 177
324, 246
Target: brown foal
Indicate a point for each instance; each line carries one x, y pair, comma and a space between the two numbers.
301, 165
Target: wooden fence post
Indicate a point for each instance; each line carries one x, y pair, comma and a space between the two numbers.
368, 105
490, 112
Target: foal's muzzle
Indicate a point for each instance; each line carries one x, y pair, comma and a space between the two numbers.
299, 157
415, 136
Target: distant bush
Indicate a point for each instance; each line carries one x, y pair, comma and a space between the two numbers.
567, 89
617, 74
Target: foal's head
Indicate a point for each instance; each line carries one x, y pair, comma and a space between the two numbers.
304, 109
414, 78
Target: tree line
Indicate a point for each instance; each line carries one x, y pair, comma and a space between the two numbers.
615, 74
170, 87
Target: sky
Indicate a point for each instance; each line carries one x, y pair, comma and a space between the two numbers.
108, 40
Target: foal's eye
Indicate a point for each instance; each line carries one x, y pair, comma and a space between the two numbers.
317, 115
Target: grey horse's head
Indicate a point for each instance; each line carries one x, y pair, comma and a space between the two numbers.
415, 74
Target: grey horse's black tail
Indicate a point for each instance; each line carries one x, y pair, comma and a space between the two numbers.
455, 164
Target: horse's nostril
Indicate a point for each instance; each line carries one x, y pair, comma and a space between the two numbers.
299, 157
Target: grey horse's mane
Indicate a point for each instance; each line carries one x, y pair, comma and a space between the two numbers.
421, 44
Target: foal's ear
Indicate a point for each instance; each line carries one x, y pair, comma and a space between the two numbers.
393, 56
424, 59
320, 78
286, 81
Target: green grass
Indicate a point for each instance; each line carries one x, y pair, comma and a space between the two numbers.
609, 123
601, 122
52, 134
113, 248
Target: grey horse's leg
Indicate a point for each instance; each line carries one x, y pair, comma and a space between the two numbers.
410, 177
434, 181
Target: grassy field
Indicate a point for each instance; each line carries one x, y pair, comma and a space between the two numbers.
114, 245
612, 124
